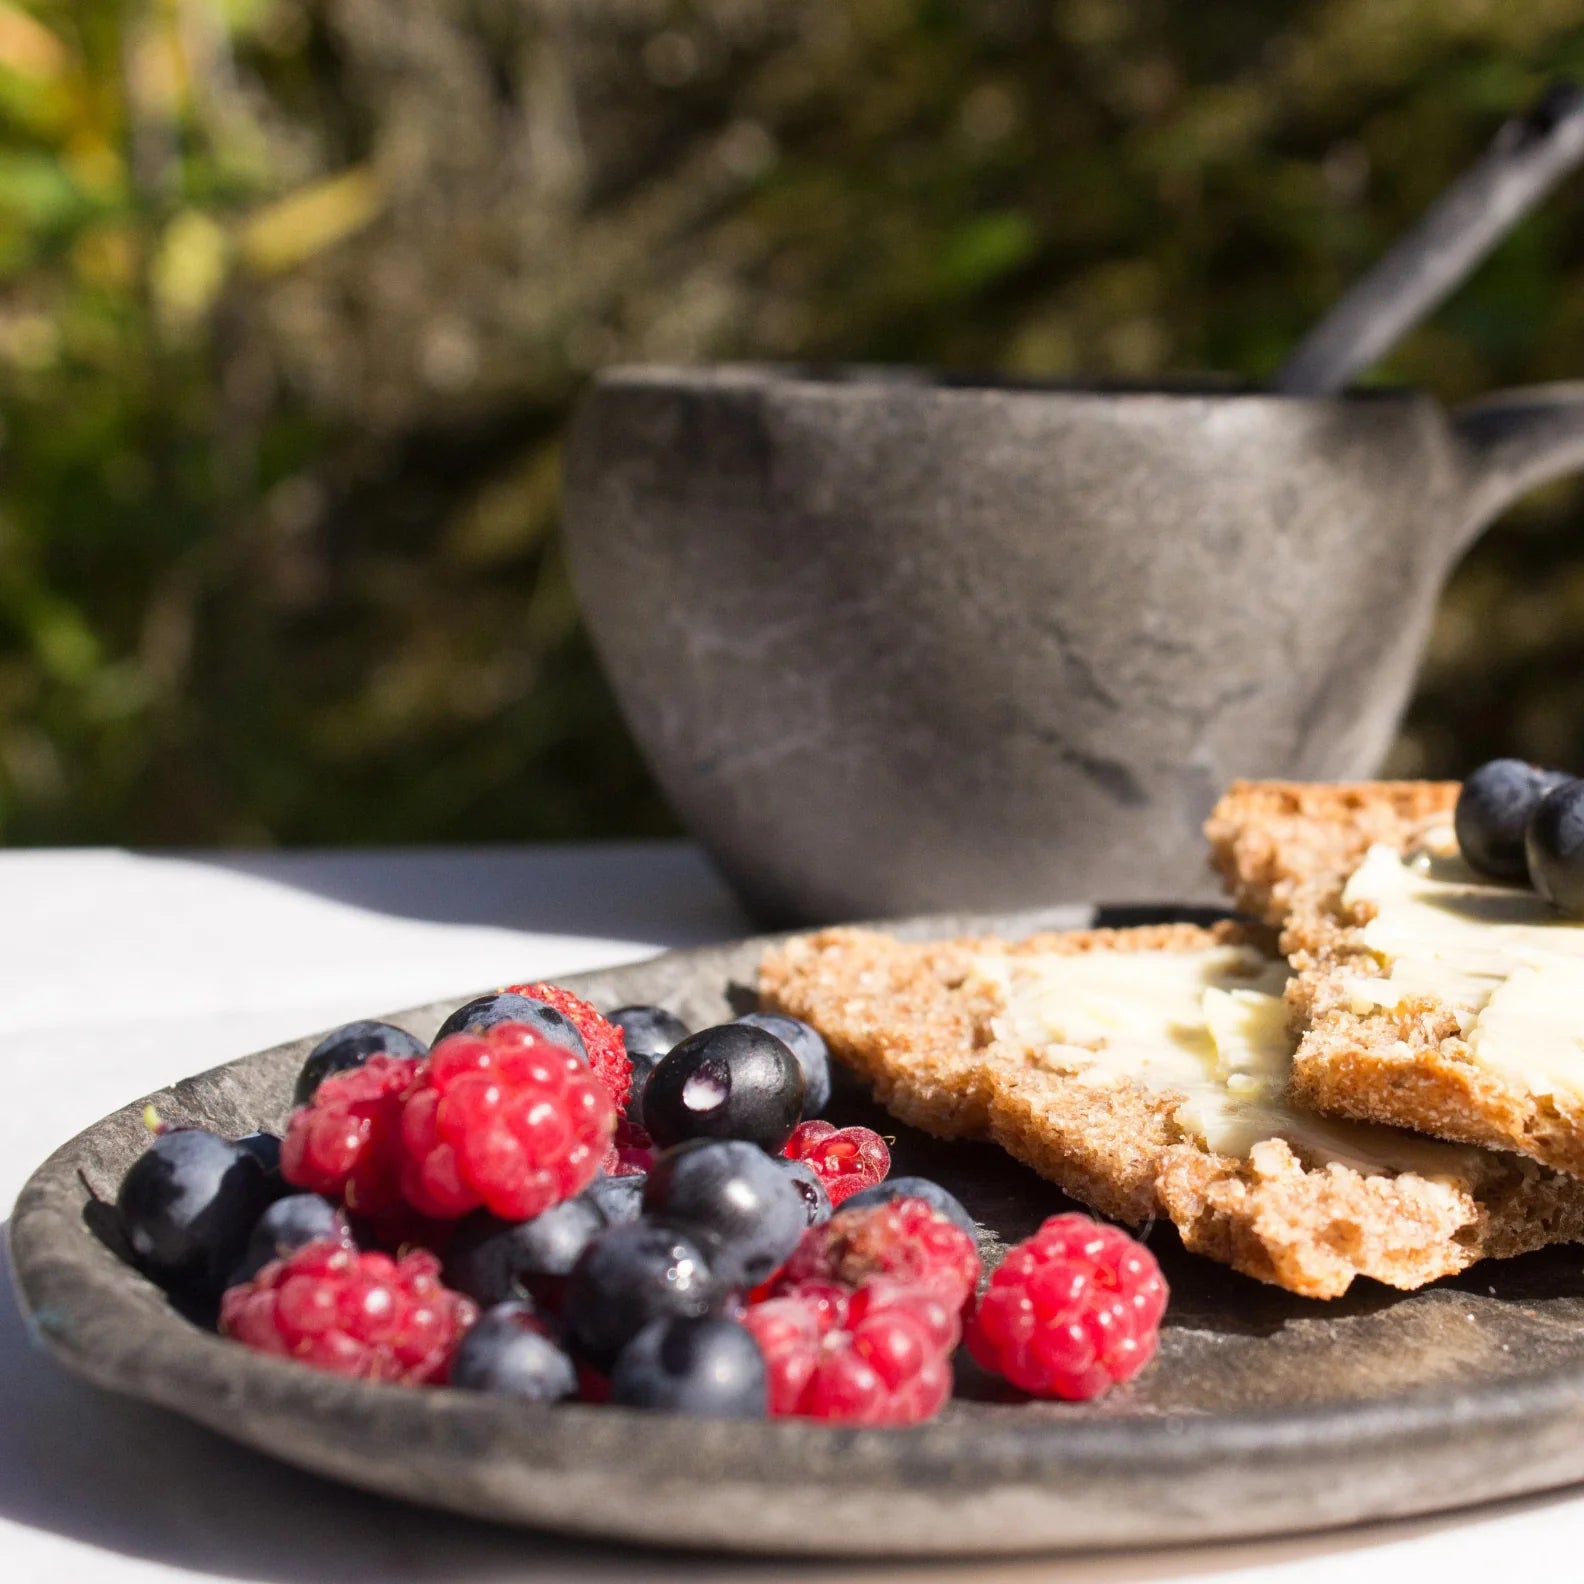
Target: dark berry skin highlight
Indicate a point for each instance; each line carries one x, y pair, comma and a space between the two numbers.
808, 1045
628, 1276
188, 1206
734, 1081
485, 1012
734, 1201
1492, 814
710, 1368
350, 1046
1554, 848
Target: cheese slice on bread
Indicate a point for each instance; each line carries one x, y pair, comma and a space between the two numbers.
1424, 995
1146, 1072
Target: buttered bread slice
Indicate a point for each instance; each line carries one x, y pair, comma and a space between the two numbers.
1146, 1073
1279, 844
1426, 996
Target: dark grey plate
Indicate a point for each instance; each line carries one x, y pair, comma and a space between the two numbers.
1264, 1412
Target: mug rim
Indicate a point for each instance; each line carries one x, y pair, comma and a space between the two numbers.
845, 381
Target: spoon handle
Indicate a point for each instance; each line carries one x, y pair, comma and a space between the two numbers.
1527, 157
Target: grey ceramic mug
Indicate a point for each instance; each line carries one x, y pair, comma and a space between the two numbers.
893, 643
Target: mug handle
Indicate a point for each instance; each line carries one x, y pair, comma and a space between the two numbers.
1516, 440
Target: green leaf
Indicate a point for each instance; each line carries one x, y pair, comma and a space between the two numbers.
36, 191
983, 251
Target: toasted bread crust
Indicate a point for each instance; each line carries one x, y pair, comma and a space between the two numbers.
910, 1020
1269, 840
1288, 849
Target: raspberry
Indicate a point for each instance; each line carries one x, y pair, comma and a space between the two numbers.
846, 1160
631, 1151
607, 1049
505, 1120
346, 1142
366, 1315
904, 1240
881, 1355
1071, 1311
789, 1338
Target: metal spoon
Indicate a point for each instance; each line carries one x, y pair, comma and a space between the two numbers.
1527, 157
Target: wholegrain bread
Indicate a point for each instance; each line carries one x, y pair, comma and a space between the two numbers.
1274, 842
912, 1022
924, 1025
1288, 852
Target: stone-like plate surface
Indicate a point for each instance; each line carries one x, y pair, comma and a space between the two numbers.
1264, 1412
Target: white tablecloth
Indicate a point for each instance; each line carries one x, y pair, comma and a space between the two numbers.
123, 972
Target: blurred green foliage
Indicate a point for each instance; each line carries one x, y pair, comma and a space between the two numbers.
295, 294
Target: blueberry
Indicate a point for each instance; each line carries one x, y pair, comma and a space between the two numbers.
1554, 846
493, 1260
630, 1275
265, 1148
734, 1201
816, 1202
485, 1012
507, 1351
350, 1046
912, 1188
289, 1223
808, 1045
1493, 810
735, 1081
649, 1032
188, 1206
642, 1067
618, 1199
709, 1368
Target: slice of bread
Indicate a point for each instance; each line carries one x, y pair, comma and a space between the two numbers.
913, 1022
944, 1039
1383, 1039
1272, 841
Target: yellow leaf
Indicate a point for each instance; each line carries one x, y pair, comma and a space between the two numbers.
27, 47
307, 222
189, 268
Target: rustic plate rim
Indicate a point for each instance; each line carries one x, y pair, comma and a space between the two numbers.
60, 1266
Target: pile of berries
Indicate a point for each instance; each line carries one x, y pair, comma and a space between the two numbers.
1516, 822
556, 1205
